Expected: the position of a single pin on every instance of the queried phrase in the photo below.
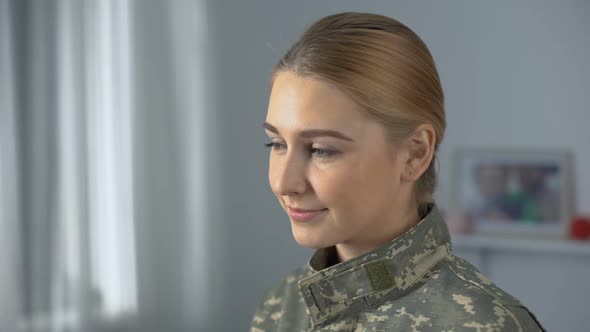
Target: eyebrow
(310, 133)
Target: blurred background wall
(134, 191)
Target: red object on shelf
(580, 228)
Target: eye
(319, 153)
(275, 145)
(323, 153)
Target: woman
(355, 118)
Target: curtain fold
(10, 255)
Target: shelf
(496, 243)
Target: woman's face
(326, 156)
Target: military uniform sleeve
(483, 313)
(483, 306)
(265, 315)
(526, 320)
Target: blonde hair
(384, 67)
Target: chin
(311, 242)
(308, 244)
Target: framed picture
(514, 192)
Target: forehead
(297, 102)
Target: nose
(287, 175)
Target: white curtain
(10, 267)
(102, 189)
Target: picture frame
(514, 192)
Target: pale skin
(363, 183)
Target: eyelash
(323, 152)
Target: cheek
(272, 175)
(331, 186)
(362, 188)
(345, 190)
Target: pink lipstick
(304, 215)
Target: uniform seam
(435, 263)
(503, 303)
(447, 266)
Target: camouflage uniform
(413, 283)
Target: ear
(419, 151)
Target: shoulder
(470, 277)
(480, 304)
(453, 296)
(276, 301)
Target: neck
(379, 235)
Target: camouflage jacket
(413, 283)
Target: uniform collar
(388, 271)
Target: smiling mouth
(305, 215)
(304, 210)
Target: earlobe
(407, 175)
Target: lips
(303, 210)
(304, 215)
